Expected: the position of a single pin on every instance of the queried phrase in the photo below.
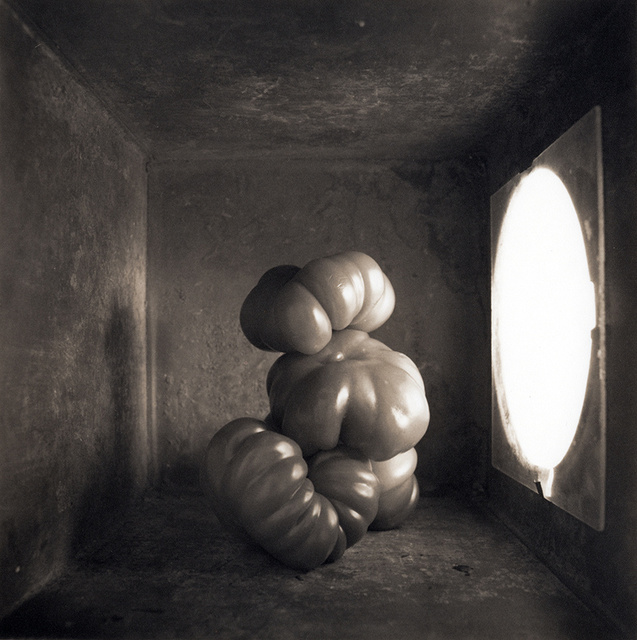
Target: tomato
(280, 314)
(355, 391)
(399, 491)
(335, 456)
(346, 478)
(258, 484)
(292, 309)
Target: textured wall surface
(73, 443)
(362, 78)
(215, 228)
(72, 323)
(602, 567)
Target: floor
(170, 571)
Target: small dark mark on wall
(463, 568)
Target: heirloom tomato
(346, 479)
(293, 309)
(356, 391)
(257, 482)
(399, 491)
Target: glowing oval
(543, 306)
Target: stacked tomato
(335, 456)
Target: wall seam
(54, 51)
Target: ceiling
(380, 78)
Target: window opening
(547, 325)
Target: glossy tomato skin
(355, 391)
(399, 490)
(296, 310)
(257, 481)
(396, 505)
(346, 479)
(352, 289)
(279, 314)
(268, 287)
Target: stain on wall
(73, 443)
(214, 228)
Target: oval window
(543, 306)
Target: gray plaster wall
(73, 442)
(600, 566)
(216, 227)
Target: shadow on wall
(453, 208)
(114, 479)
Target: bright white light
(543, 306)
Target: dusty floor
(170, 571)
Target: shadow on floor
(170, 571)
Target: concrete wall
(73, 443)
(215, 228)
(601, 567)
